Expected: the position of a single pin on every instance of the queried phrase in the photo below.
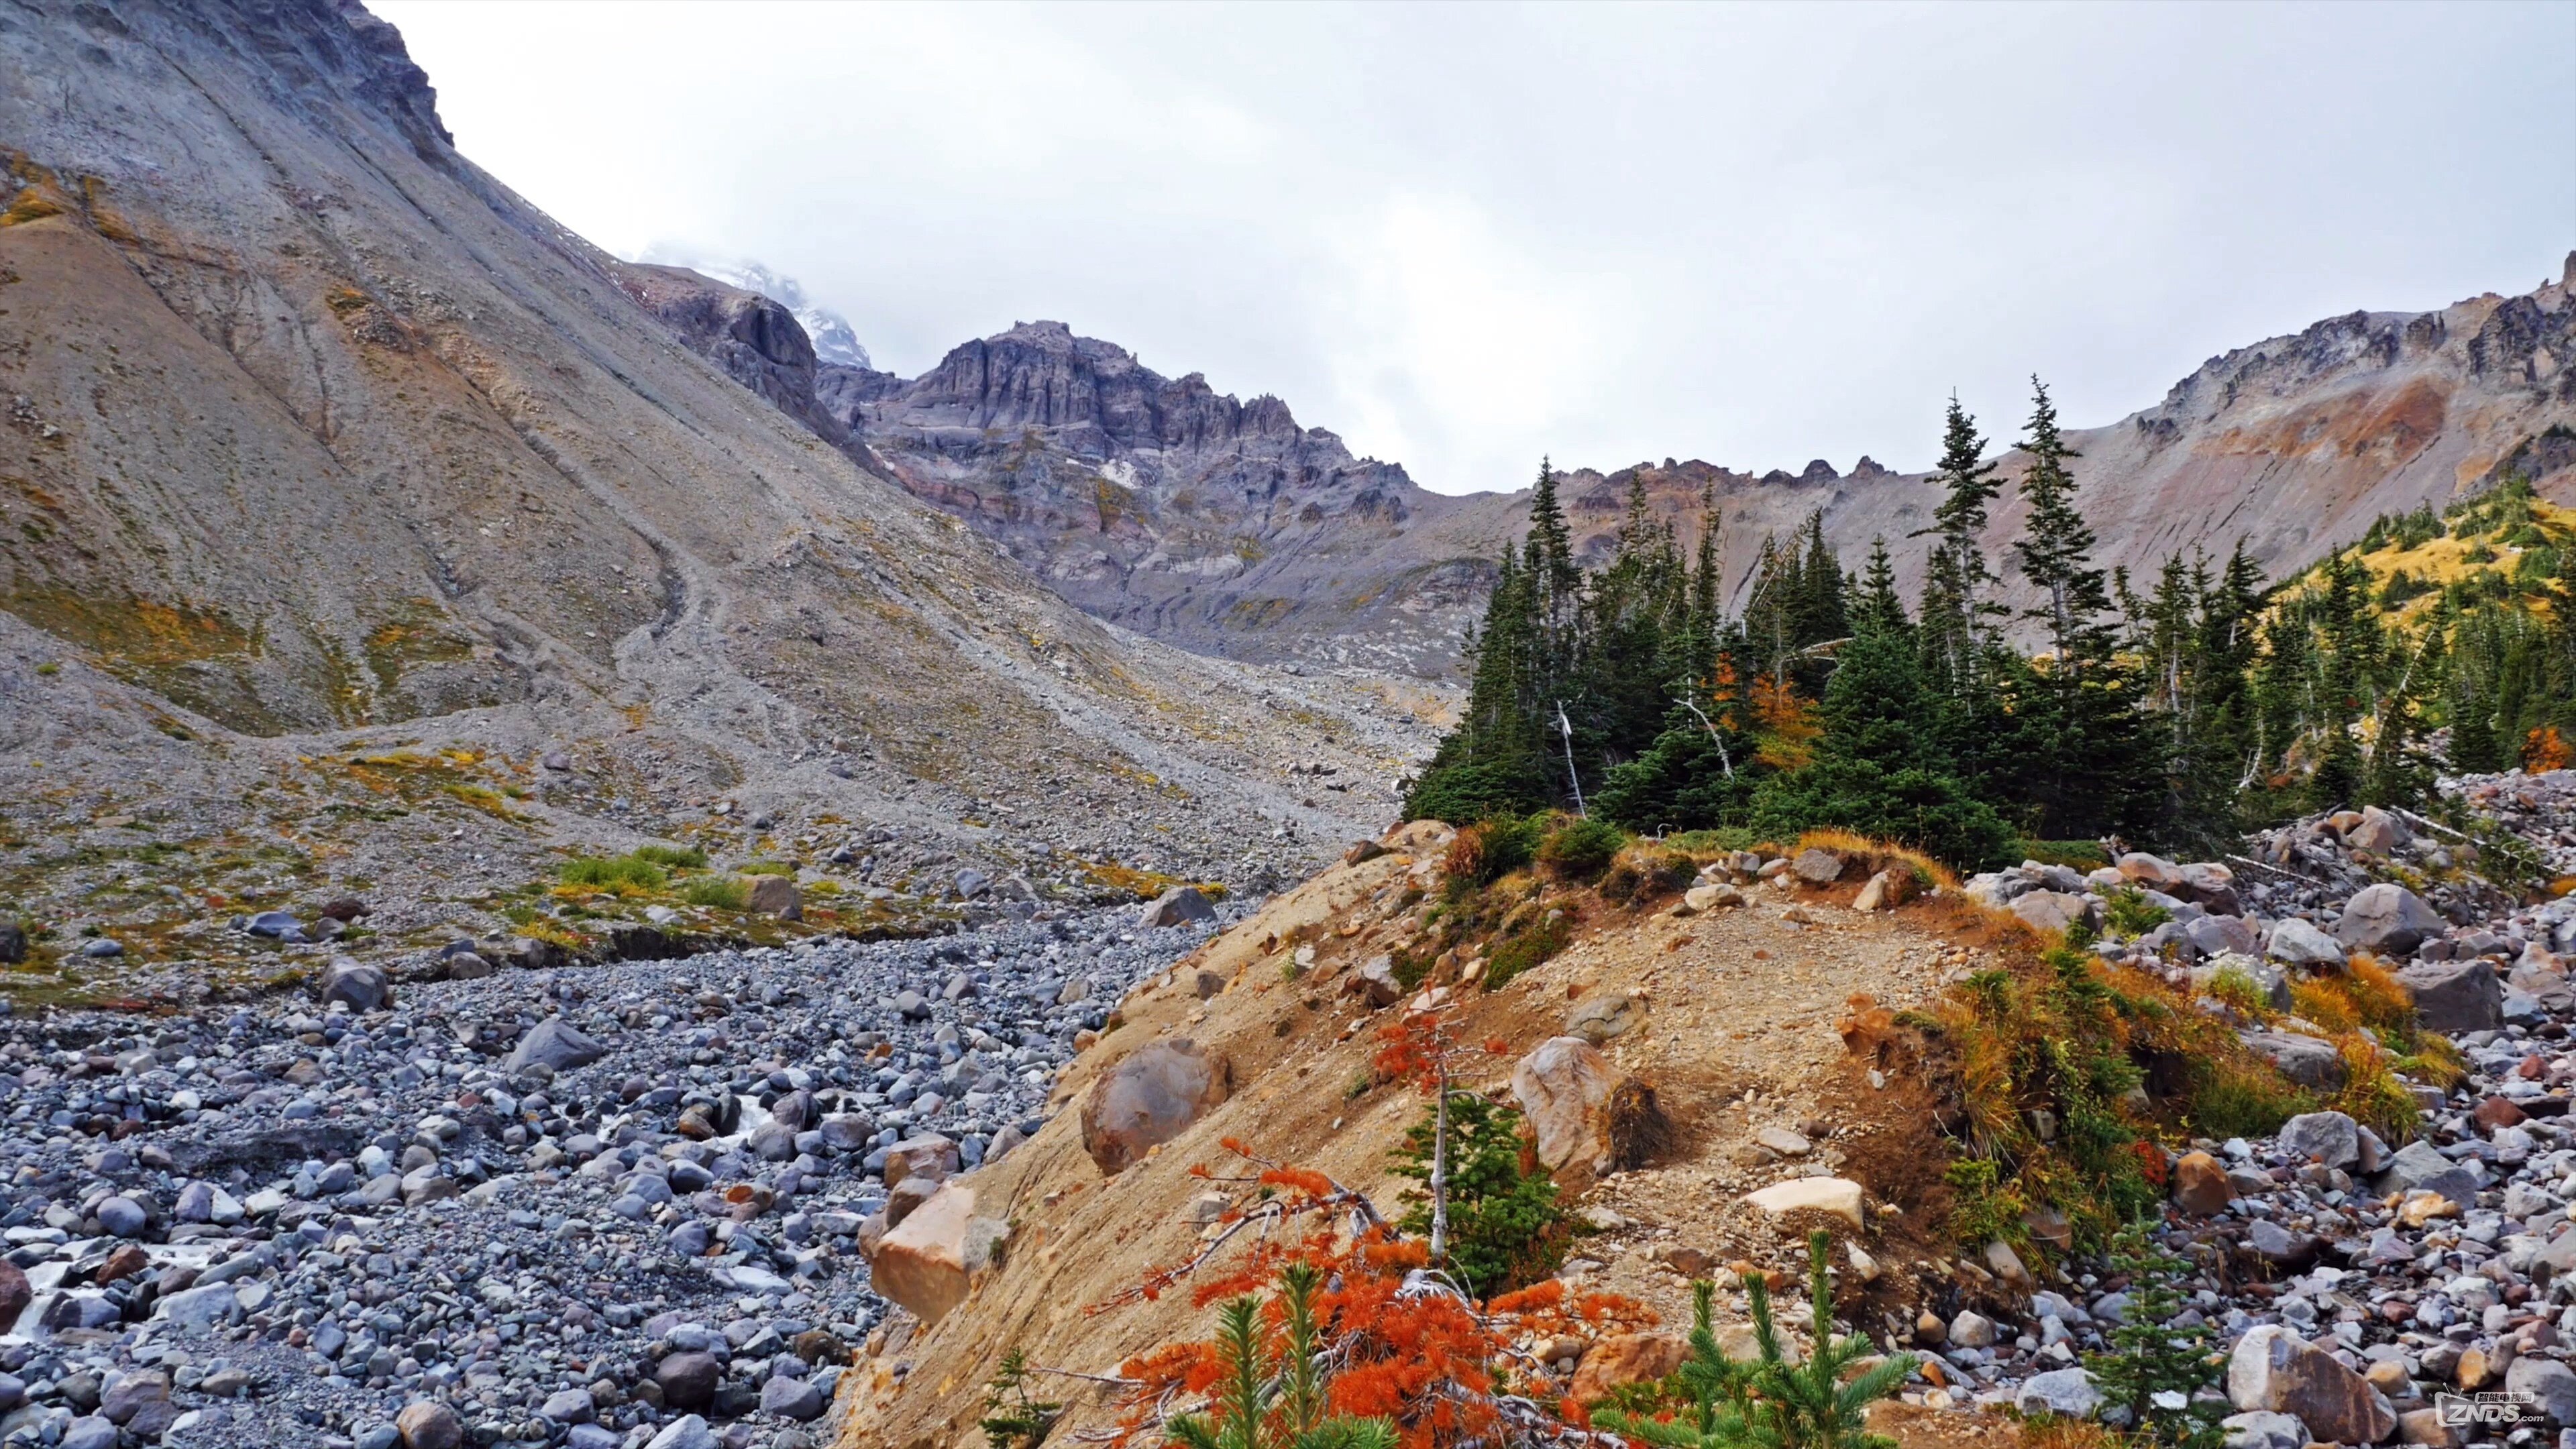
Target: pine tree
(2156, 1366)
(1279, 1400)
(1014, 1416)
(1879, 607)
(1957, 615)
(2089, 766)
(2336, 782)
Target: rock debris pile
(608, 1207)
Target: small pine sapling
(2155, 1366)
(1770, 1402)
(1014, 1417)
(1712, 1384)
(1809, 1405)
(1267, 1401)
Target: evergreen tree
(1879, 607)
(1957, 614)
(2089, 766)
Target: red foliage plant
(1441, 1367)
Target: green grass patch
(672, 857)
(717, 891)
(610, 872)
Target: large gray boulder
(2054, 910)
(555, 1044)
(2263, 1429)
(2547, 1383)
(2420, 1166)
(2455, 996)
(2274, 1370)
(1177, 906)
(2303, 1059)
(2386, 920)
(2067, 1392)
(365, 988)
(1149, 1098)
(2301, 944)
(2330, 1137)
(2218, 935)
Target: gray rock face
(1817, 866)
(2386, 920)
(2455, 996)
(2419, 1166)
(556, 1044)
(1150, 1097)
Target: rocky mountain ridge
(1226, 527)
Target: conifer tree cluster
(1967, 727)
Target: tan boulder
(2052, 910)
(1837, 1195)
(2152, 871)
(1562, 1088)
(1625, 1358)
(1149, 1098)
(1818, 866)
(1886, 890)
(930, 1260)
(928, 1155)
(2200, 1185)
(2273, 1369)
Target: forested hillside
(2172, 712)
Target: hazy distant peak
(833, 338)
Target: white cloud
(1465, 236)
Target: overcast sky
(1464, 236)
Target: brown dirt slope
(1740, 1035)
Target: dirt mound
(1737, 1034)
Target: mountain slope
(1226, 527)
(320, 439)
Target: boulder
(792, 1398)
(2378, 832)
(429, 1424)
(1817, 866)
(555, 1044)
(15, 1294)
(2301, 944)
(2151, 871)
(2421, 1167)
(775, 895)
(2330, 1137)
(2386, 920)
(1564, 1087)
(2274, 1370)
(2221, 935)
(688, 1431)
(2200, 1185)
(2053, 910)
(688, 1379)
(365, 988)
(1362, 851)
(1177, 906)
(1886, 890)
(2455, 996)
(2547, 1383)
(1598, 1018)
(2262, 1429)
(2303, 1059)
(2210, 886)
(929, 1261)
(1625, 1358)
(1971, 1329)
(1836, 1195)
(1151, 1097)
(1374, 980)
(1715, 896)
(928, 1156)
(2066, 1392)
